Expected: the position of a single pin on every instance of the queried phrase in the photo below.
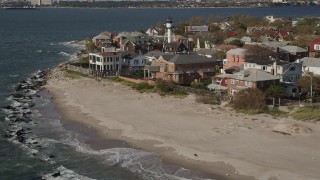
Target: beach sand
(212, 140)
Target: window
(292, 68)
(317, 47)
(264, 68)
(261, 84)
(250, 84)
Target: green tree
(219, 55)
(259, 52)
(310, 80)
(90, 46)
(302, 41)
(237, 42)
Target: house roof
(254, 75)
(266, 62)
(109, 53)
(275, 44)
(292, 49)
(285, 32)
(229, 40)
(246, 39)
(237, 51)
(206, 51)
(102, 36)
(310, 62)
(187, 59)
(154, 53)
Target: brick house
(314, 48)
(248, 78)
(235, 57)
(182, 68)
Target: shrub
(252, 100)
(142, 87)
(163, 86)
(197, 85)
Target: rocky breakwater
(18, 115)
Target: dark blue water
(39, 39)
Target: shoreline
(230, 148)
(168, 156)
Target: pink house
(235, 57)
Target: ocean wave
(63, 173)
(72, 44)
(72, 57)
(146, 164)
(13, 75)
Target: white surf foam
(64, 173)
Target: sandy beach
(213, 140)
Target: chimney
(308, 51)
(277, 54)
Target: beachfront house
(133, 62)
(288, 72)
(247, 78)
(105, 63)
(182, 68)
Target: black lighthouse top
(169, 20)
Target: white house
(271, 19)
(311, 65)
(105, 61)
(152, 31)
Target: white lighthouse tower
(169, 30)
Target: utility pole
(311, 88)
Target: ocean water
(40, 39)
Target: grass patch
(307, 113)
(75, 74)
(141, 87)
(275, 112)
(207, 99)
(250, 111)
